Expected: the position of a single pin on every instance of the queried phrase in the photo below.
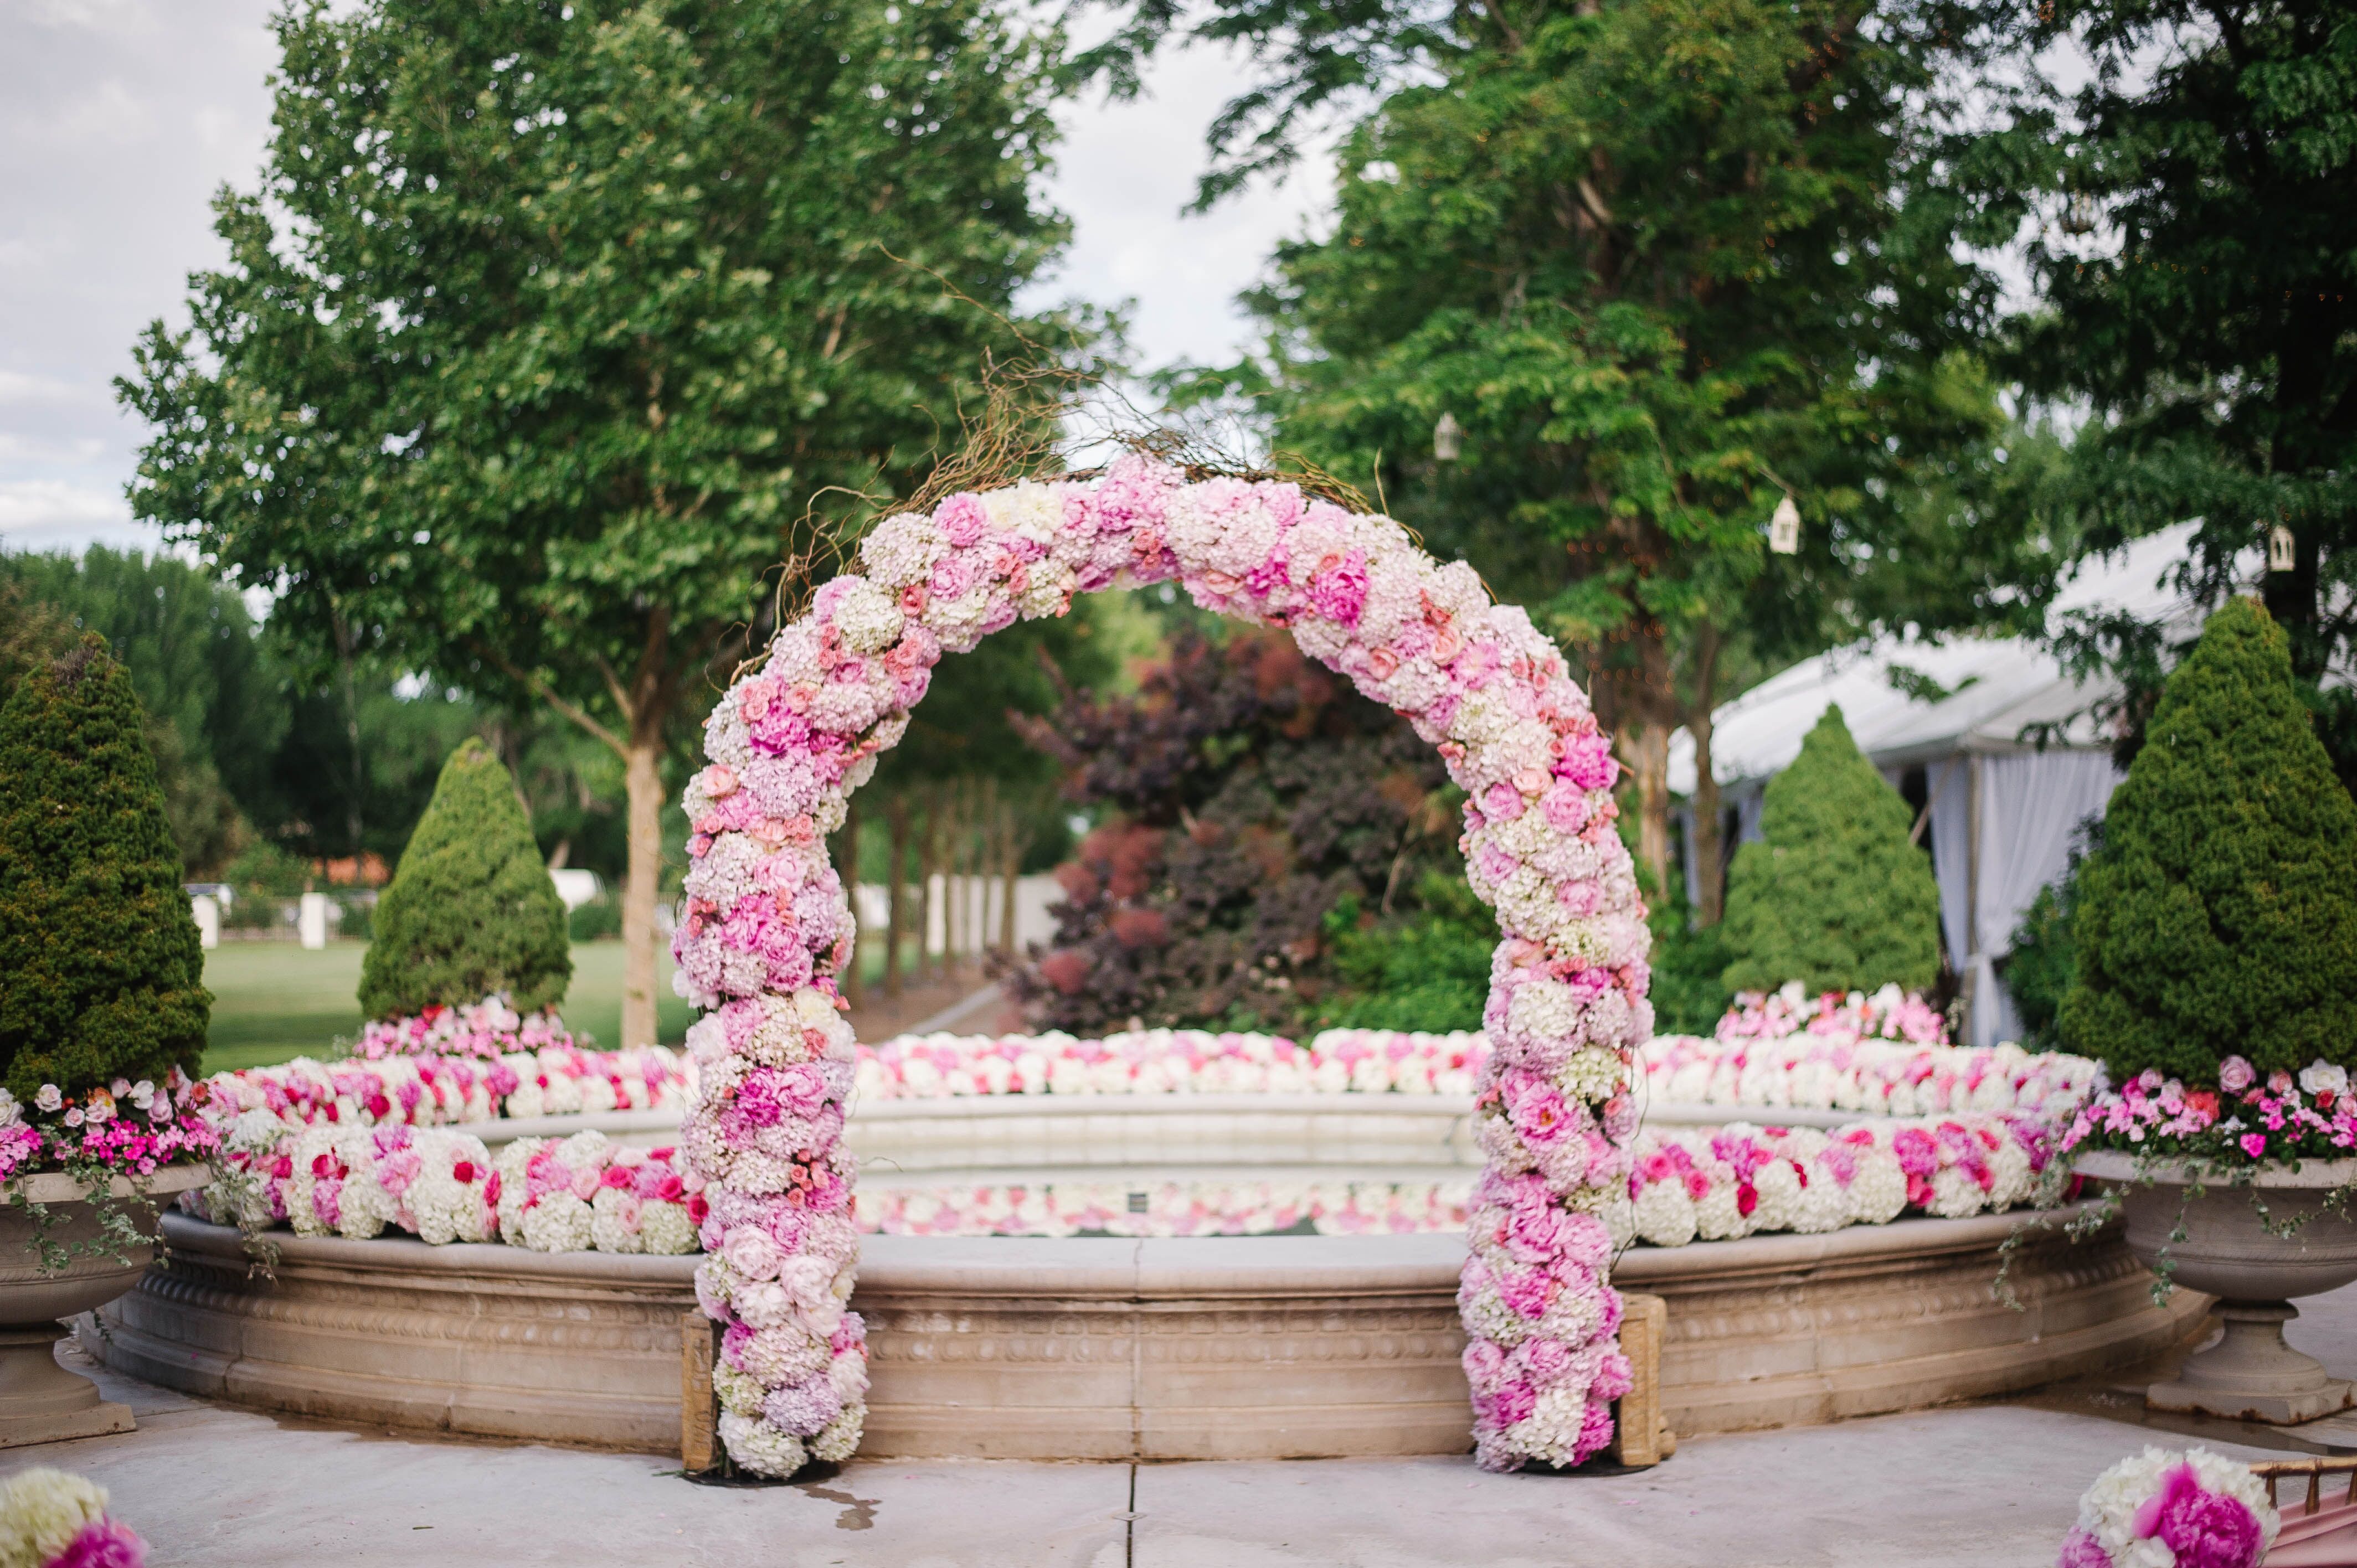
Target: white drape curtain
(2031, 805)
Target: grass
(275, 1001)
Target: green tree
(1655, 264)
(2220, 914)
(552, 330)
(471, 909)
(101, 974)
(215, 703)
(2187, 210)
(1832, 895)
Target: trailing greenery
(101, 974)
(1833, 895)
(2220, 915)
(471, 909)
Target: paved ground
(1983, 1484)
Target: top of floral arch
(803, 725)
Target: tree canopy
(2219, 917)
(101, 974)
(1660, 267)
(472, 910)
(550, 332)
(2187, 211)
(1833, 894)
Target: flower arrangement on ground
(765, 928)
(2171, 1509)
(51, 1520)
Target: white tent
(1999, 808)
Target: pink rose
(2235, 1075)
(750, 1252)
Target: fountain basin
(1267, 1346)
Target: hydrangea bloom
(2170, 1509)
(766, 927)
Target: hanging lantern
(1448, 438)
(1784, 528)
(2283, 550)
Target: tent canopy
(1998, 689)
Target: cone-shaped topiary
(101, 975)
(2220, 917)
(1834, 896)
(471, 909)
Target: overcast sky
(119, 119)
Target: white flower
(2324, 1078)
(49, 1098)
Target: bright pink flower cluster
(486, 1029)
(436, 1092)
(2194, 1509)
(766, 928)
(2246, 1119)
(125, 1128)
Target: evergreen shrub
(1833, 894)
(102, 974)
(2220, 915)
(471, 909)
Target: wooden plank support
(1641, 1438)
(699, 1407)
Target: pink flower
(2235, 1075)
(2253, 1143)
(1338, 588)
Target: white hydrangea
(866, 614)
(902, 550)
(760, 1448)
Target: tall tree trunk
(642, 782)
(954, 884)
(896, 895)
(846, 860)
(1644, 748)
(1010, 867)
(929, 965)
(1705, 848)
(352, 825)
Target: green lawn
(274, 1001)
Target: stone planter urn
(40, 1401)
(2228, 1252)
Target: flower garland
(2247, 1119)
(766, 927)
(439, 1091)
(2170, 1509)
(1724, 1183)
(1836, 1071)
(579, 1194)
(1889, 1013)
(1169, 1061)
(51, 1520)
(1831, 1072)
(486, 1029)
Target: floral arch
(767, 924)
